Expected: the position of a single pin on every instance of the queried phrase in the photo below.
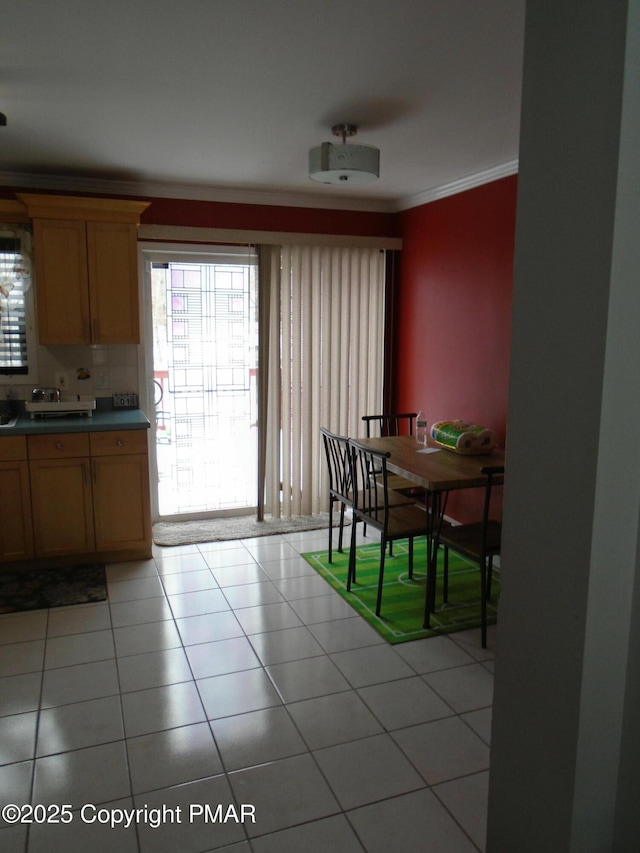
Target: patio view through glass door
(205, 344)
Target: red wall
(453, 327)
(256, 217)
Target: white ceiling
(222, 99)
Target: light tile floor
(230, 673)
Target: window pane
(13, 321)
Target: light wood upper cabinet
(85, 253)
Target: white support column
(567, 700)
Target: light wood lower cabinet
(16, 530)
(121, 501)
(61, 495)
(75, 494)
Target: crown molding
(459, 186)
(193, 192)
(197, 192)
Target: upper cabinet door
(113, 283)
(86, 264)
(62, 289)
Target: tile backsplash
(95, 371)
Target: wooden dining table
(438, 471)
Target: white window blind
(15, 279)
(324, 362)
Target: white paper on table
(429, 450)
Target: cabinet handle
(58, 445)
(119, 443)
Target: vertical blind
(14, 282)
(322, 363)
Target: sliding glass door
(204, 379)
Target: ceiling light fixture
(344, 164)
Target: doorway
(204, 380)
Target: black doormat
(33, 589)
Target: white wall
(566, 704)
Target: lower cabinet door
(16, 531)
(121, 502)
(61, 499)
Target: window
(17, 358)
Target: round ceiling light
(344, 164)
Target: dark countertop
(101, 421)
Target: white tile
(131, 590)
(20, 693)
(304, 679)
(415, 821)
(85, 835)
(255, 738)
(322, 608)
(368, 770)
(343, 634)
(467, 800)
(18, 658)
(265, 549)
(78, 620)
(143, 610)
(21, 627)
(334, 719)
(317, 836)
(79, 648)
(221, 657)
(302, 586)
(267, 617)
(172, 757)
(407, 702)
(161, 708)
(81, 724)
(371, 665)
(192, 833)
(15, 783)
(286, 645)
(285, 793)
(222, 558)
(433, 654)
(208, 628)
(17, 737)
(78, 683)
(237, 575)
(198, 603)
(465, 688)
(443, 750)
(132, 570)
(178, 563)
(178, 584)
(237, 693)
(97, 774)
(153, 669)
(150, 637)
(252, 594)
(480, 722)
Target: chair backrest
(336, 449)
(392, 424)
(370, 495)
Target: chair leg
(411, 558)
(445, 579)
(483, 602)
(340, 534)
(383, 548)
(330, 530)
(489, 576)
(351, 573)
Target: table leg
(434, 526)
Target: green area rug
(402, 612)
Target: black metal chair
(336, 449)
(372, 505)
(396, 423)
(479, 542)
